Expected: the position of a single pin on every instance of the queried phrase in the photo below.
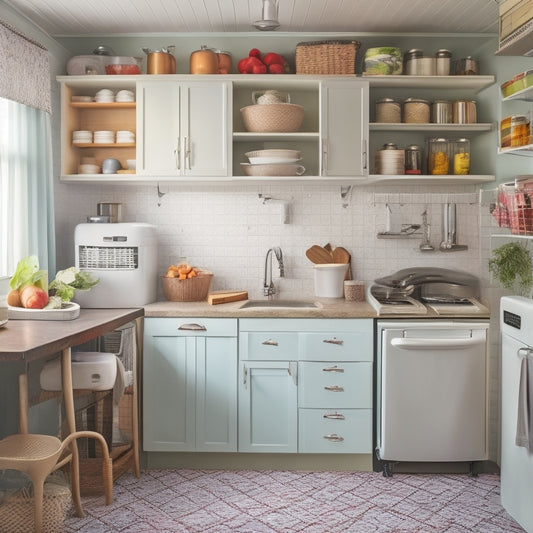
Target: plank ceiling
(93, 17)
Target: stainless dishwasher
(431, 391)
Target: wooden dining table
(30, 340)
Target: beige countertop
(327, 308)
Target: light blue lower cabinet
(268, 408)
(190, 385)
(335, 430)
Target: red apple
(32, 297)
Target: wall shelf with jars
(410, 111)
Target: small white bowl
(131, 164)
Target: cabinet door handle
(177, 153)
(187, 147)
(334, 388)
(244, 375)
(365, 154)
(333, 369)
(334, 416)
(334, 340)
(293, 371)
(324, 157)
(270, 342)
(333, 437)
(192, 327)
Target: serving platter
(69, 311)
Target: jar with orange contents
(439, 156)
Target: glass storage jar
(461, 156)
(389, 111)
(413, 159)
(520, 130)
(416, 110)
(438, 156)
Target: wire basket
(514, 208)
(187, 290)
(326, 57)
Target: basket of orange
(185, 283)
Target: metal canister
(464, 112)
(442, 112)
(410, 58)
(416, 110)
(443, 62)
(413, 160)
(388, 110)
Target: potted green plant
(511, 265)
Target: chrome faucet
(268, 284)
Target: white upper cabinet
(183, 128)
(344, 128)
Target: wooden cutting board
(224, 297)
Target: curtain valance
(24, 69)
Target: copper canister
(203, 61)
(160, 63)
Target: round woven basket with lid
(272, 118)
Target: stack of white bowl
(125, 137)
(82, 137)
(88, 166)
(390, 162)
(104, 96)
(104, 137)
(125, 96)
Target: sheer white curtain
(26, 187)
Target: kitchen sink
(274, 304)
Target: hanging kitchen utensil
(318, 255)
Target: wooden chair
(40, 455)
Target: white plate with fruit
(32, 298)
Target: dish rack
(123, 256)
(514, 206)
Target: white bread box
(90, 370)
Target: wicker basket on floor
(326, 57)
(16, 512)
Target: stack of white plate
(81, 99)
(104, 137)
(82, 137)
(104, 96)
(125, 96)
(125, 136)
(390, 162)
(274, 162)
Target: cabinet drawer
(336, 346)
(332, 431)
(335, 385)
(190, 327)
(268, 345)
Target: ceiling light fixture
(269, 21)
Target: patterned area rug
(285, 501)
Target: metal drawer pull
(333, 369)
(270, 342)
(334, 437)
(334, 388)
(192, 327)
(334, 416)
(334, 341)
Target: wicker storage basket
(16, 512)
(272, 117)
(187, 290)
(326, 57)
